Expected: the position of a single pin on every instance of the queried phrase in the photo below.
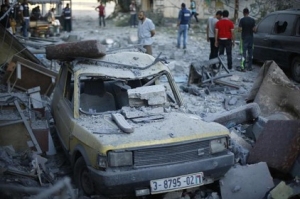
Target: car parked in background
(277, 38)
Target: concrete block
(278, 145)
(281, 191)
(233, 100)
(258, 126)
(247, 182)
(295, 172)
(243, 114)
(151, 95)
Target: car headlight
(218, 145)
(102, 161)
(117, 159)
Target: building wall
(207, 8)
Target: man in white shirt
(210, 34)
(146, 30)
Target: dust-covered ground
(203, 101)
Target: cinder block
(247, 182)
(151, 95)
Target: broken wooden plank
(13, 171)
(31, 75)
(36, 144)
(70, 51)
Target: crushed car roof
(121, 65)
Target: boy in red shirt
(224, 37)
(101, 9)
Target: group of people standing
(146, 28)
(20, 15)
(220, 34)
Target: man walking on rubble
(193, 9)
(247, 27)
(210, 33)
(101, 10)
(224, 37)
(24, 9)
(146, 31)
(184, 17)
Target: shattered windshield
(98, 94)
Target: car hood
(104, 134)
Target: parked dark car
(278, 38)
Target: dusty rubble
(259, 108)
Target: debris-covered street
(161, 118)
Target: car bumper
(117, 183)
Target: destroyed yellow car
(120, 120)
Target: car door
(262, 38)
(283, 40)
(63, 107)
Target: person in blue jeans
(24, 11)
(247, 27)
(183, 25)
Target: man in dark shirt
(247, 27)
(24, 9)
(5, 20)
(183, 24)
(224, 37)
(67, 18)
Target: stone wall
(206, 8)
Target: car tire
(296, 69)
(82, 177)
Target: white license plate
(176, 183)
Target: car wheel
(296, 69)
(82, 177)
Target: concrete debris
(283, 190)
(278, 145)
(240, 115)
(263, 133)
(233, 100)
(240, 148)
(149, 95)
(62, 188)
(247, 182)
(255, 130)
(270, 80)
(192, 89)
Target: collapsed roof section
(10, 46)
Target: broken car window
(284, 24)
(101, 95)
(266, 25)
